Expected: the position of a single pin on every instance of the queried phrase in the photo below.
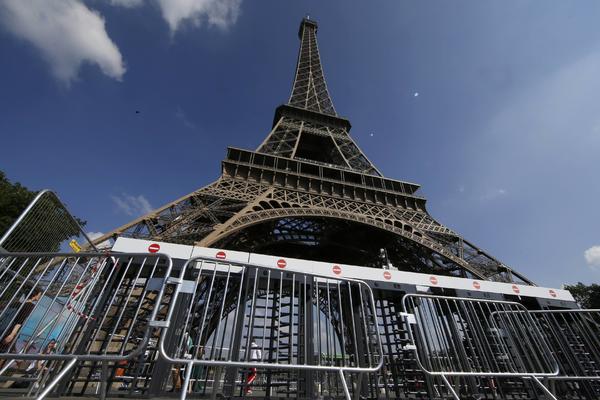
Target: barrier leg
(450, 388)
(544, 388)
(217, 381)
(62, 373)
(345, 385)
(358, 385)
(104, 382)
(186, 381)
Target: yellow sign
(75, 246)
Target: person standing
(19, 320)
(12, 331)
(255, 356)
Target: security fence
(227, 320)
(45, 226)
(139, 325)
(86, 311)
(574, 337)
(471, 340)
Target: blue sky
(493, 107)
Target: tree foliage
(587, 296)
(14, 198)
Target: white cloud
(66, 32)
(220, 13)
(133, 206)
(95, 235)
(592, 257)
(127, 3)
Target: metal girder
(244, 220)
(287, 134)
(310, 89)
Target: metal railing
(574, 338)
(71, 319)
(473, 338)
(238, 316)
(59, 310)
(44, 226)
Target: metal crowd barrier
(574, 338)
(59, 310)
(469, 338)
(236, 316)
(44, 226)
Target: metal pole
(186, 381)
(345, 385)
(544, 388)
(450, 388)
(57, 379)
(104, 383)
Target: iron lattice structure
(308, 191)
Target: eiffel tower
(308, 191)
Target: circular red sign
(552, 293)
(476, 285)
(337, 269)
(154, 247)
(221, 255)
(281, 263)
(433, 280)
(387, 275)
(516, 289)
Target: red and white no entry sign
(476, 285)
(433, 280)
(516, 289)
(281, 263)
(221, 255)
(337, 269)
(154, 247)
(387, 275)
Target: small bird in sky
(416, 94)
(137, 111)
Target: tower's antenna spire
(309, 90)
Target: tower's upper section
(310, 90)
(307, 128)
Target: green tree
(587, 296)
(14, 198)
